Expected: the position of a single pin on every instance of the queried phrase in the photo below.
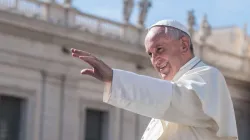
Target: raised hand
(100, 70)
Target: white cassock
(195, 105)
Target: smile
(161, 67)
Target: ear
(185, 44)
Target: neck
(187, 58)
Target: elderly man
(190, 102)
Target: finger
(76, 55)
(89, 72)
(80, 52)
(90, 60)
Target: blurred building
(44, 97)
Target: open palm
(99, 70)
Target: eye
(150, 54)
(159, 50)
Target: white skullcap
(171, 23)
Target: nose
(154, 59)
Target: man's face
(166, 53)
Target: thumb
(88, 72)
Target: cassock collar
(189, 65)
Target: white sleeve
(139, 94)
(193, 100)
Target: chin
(166, 77)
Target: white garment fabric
(171, 23)
(195, 105)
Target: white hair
(177, 34)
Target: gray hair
(178, 34)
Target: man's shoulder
(203, 73)
(204, 69)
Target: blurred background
(44, 97)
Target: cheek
(170, 54)
(165, 56)
(174, 54)
(173, 60)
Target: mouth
(162, 66)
